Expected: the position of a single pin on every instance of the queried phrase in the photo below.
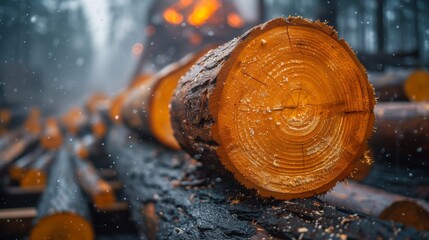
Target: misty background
(54, 53)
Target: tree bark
(174, 197)
(63, 210)
(250, 107)
(401, 135)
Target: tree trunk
(100, 192)
(401, 137)
(117, 102)
(381, 204)
(389, 86)
(146, 109)
(63, 210)
(174, 197)
(269, 108)
(401, 86)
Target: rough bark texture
(174, 197)
(62, 193)
(402, 134)
(62, 197)
(190, 117)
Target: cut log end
(62, 226)
(407, 212)
(417, 86)
(290, 108)
(52, 137)
(32, 123)
(104, 197)
(33, 178)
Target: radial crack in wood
(286, 107)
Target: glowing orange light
(137, 49)
(172, 16)
(185, 3)
(202, 11)
(234, 20)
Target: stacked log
(100, 192)
(401, 135)
(62, 211)
(381, 204)
(401, 86)
(16, 150)
(146, 109)
(36, 174)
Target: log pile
(267, 124)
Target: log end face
(293, 121)
(62, 226)
(417, 86)
(33, 178)
(105, 197)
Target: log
(36, 174)
(86, 146)
(16, 150)
(18, 168)
(381, 204)
(401, 86)
(63, 210)
(52, 137)
(146, 110)
(389, 86)
(98, 98)
(100, 192)
(98, 125)
(9, 138)
(410, 182)
(117, 103)
(75, 122)
(417, 86)
(401, 135)
(33, 122)
(173, 197)
(286, 107)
